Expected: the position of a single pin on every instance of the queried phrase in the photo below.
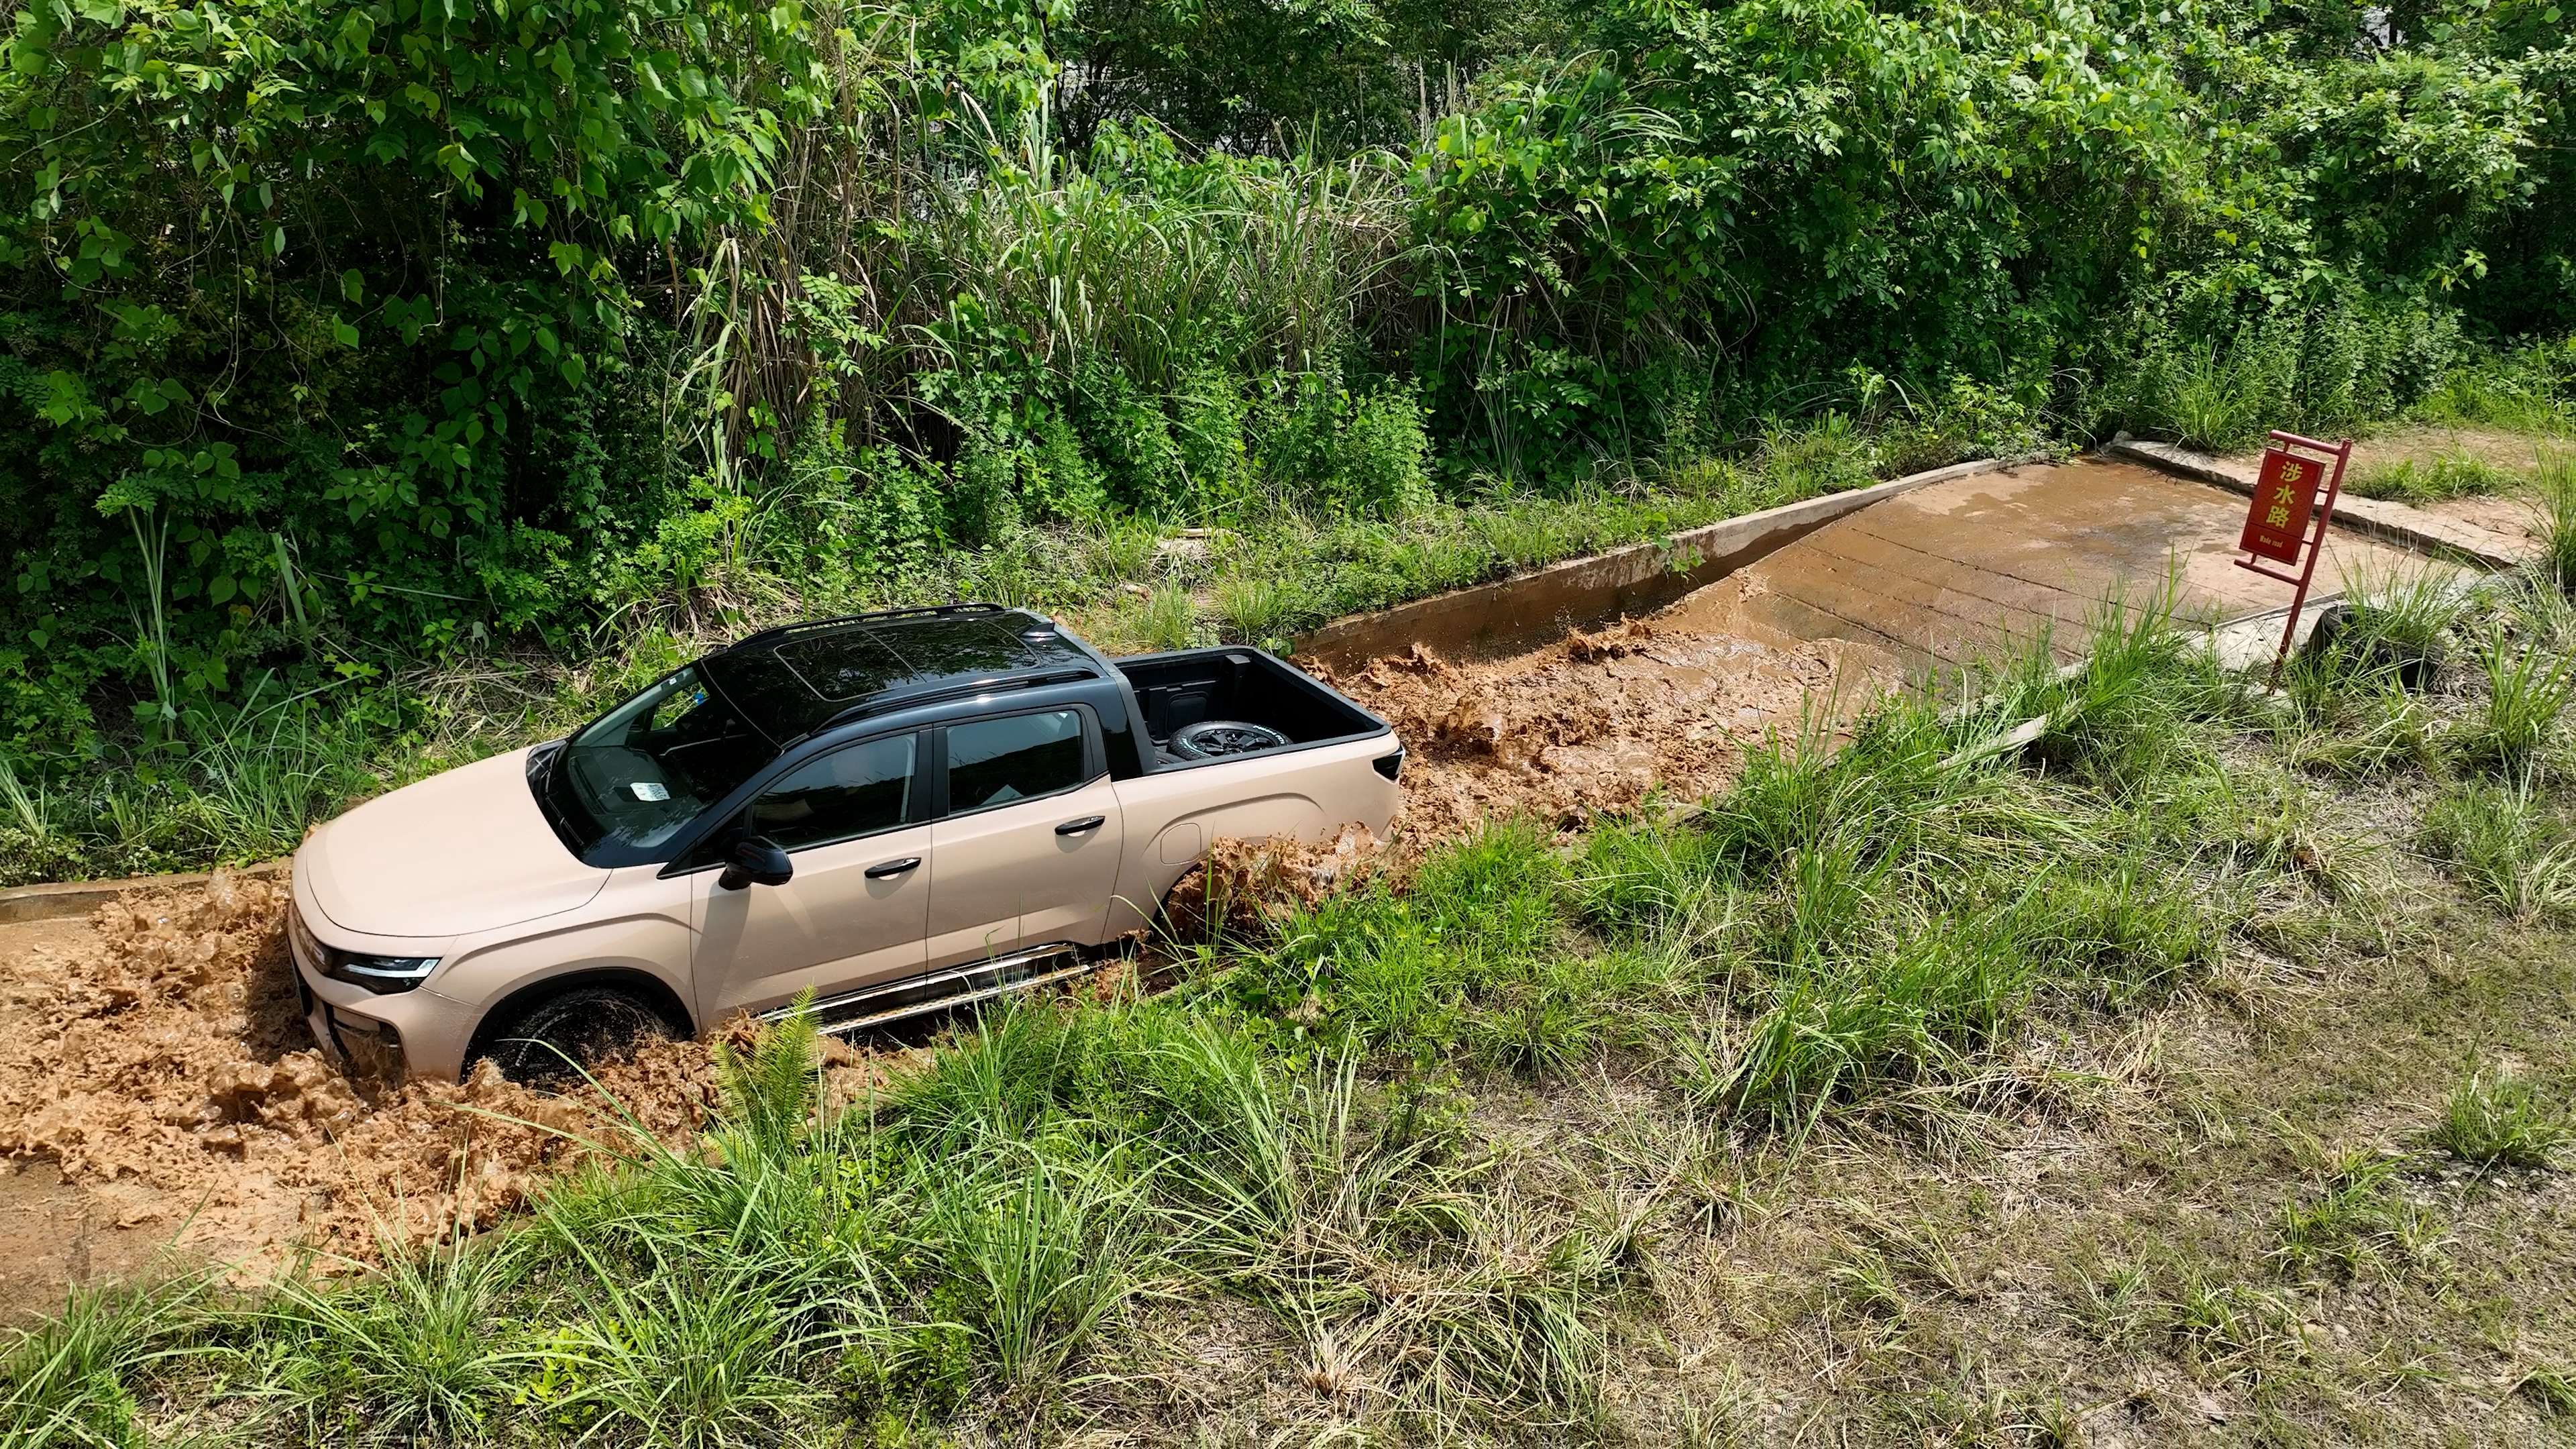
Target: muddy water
(1969, 569)
(158, 1090)
(1597, 722)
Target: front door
(1028, 852)
(854, 913)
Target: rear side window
(1019, 757)
(856, 791)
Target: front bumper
(415, 1032)
(359, 1044)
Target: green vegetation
(1472, 1152)
(2357, 1221)
(2504, 842)
(2494, 1120)
(2557, 517)
(2445, 476)
(383, 370)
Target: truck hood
(460, 852)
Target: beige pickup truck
(897, 811)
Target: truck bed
(1183, 688)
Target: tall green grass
(2506, 844)
(2443, 477)
(72, 1379)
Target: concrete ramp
(1961, 569)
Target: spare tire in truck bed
(1211, 739)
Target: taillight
(1390, 765)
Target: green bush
(515, 324)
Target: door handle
(894, 867)
(1086, 823)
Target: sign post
(2294, 501)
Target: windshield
(628, 783)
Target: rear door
(1027, 853)
(855, 824)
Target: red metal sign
(2285, 493)
(2278, 525)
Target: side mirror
(755, 860)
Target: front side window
(628, 783)
(1019, 757)
(850, 792)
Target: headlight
(379, 974)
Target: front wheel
(551, 1043)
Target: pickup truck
(896, 812)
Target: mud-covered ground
(1595, 723)
(157, 1086)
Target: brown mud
(1597, 722)
(159, 1089)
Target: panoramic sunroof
(843, 665)
(940, 648)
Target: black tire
(1211, 739)
(2333, 621)
(548, 1043)
(2341, 628)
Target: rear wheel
(548, 1044)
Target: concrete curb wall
(2379, 518)
(80, 897)
(1530, 609)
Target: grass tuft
(1170, 620)
(71, 1379)
(1253, 609)
(2445, 476)
(2554, 483)
(2493, 1120)
(418, 1349)
(2505, 844)
(2550, 1388)
(2356, 1222)
(2528, 690)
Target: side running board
(857, 1011)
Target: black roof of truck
(790, 682)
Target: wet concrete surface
(1962, 569)
(1532, 611)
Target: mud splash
(159, 1060)
(1246, 885)
(1594, 724)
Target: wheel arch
(644, 986)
